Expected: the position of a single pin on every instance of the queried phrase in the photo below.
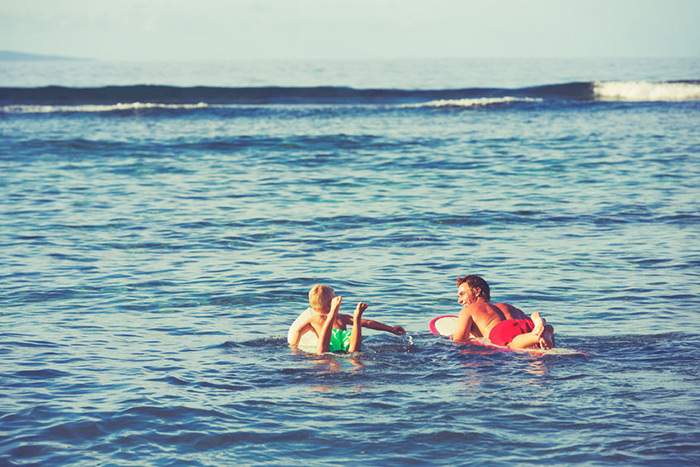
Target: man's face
(466, 295)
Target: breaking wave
(100, 108)
(476, 102)
(646, 91)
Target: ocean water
(162, 224)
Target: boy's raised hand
(361, 307)
(335, 304)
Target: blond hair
(320, 296)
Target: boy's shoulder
(311, 316)
(308, 313)
(304, 317)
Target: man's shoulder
(485, 311)
(478, 305)
(474, 309)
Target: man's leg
(541, 336)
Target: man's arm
(464, 326)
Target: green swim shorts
(340, 340)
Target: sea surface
(162, 223)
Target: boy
(331, 327)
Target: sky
(350, 29)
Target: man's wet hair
(476, 282)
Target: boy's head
(320, 297)
(477, 285)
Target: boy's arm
(464, 326)
(300, 331)
(371, 324)
(368, 323)
(324, 340)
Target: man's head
(320, 297)
(471, 288)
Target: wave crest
(476, 102)
(646, 91)
(119, 107)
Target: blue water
(158, 242)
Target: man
(502, 323)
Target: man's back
(485, 315)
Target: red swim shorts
(504, 332)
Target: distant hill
(7, 56)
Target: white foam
(645, 91)
(477, 102)
(97, 108)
